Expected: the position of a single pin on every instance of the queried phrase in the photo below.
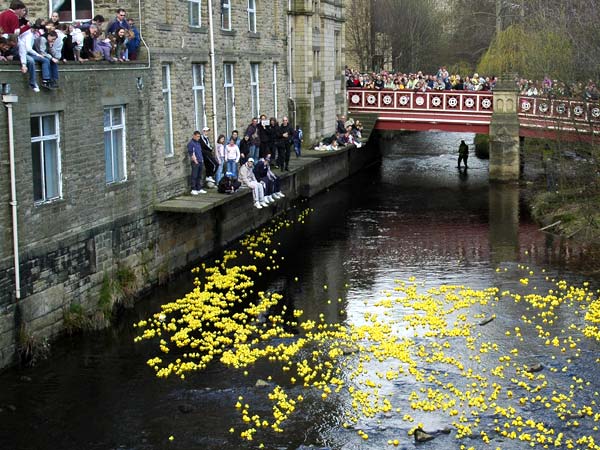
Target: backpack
(228, 185)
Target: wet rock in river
(486, 321)
(422, 436)
(261, 383)
(186, 408)
(534, 368)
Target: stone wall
(69, 245)
(318, 65)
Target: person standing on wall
(284, 142)
(463, 154)
(195, 153)
(208, 154)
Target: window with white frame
(254, 90)
(114, 144)
(226, 14)
(199, 96)
(252, 16)
(275, 89)
(73, 10)
(45, 157)
(229, 98)
(168, 110)
(195, 13)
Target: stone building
(93, 158)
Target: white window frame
(42, 139)
(123, 156)
(275, 89)
(198, 4)
(252, 16)
(198, 89)
(226, 9)
(52, 8)
(254, 89)
(167, 102)
(229, 84)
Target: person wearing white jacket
(248, 180)
(232, 156)
(29, 56)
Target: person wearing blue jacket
(195, 152)
(133, 44)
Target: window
(229, 98)
(73, 10)
(45, 157)
(114, 144)
(275, 89)
(166, 91)
(195, 13)
(199, 97)
(226, 14)
(254, 90)
(252, 16)
(316, 63)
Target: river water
(417, 216)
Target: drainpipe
(140, 30)
(289, 58)
(213, 74)
(8, 101)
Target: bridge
(465, 111)
(504, 115)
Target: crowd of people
(442, 80)
(558, 89)
(245, 161)
(49, 42)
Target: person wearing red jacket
(11, 18)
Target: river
(415, 217)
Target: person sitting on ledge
(249, 180)
(265, 175)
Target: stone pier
(504, 134)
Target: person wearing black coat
(284, 143)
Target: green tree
(530, 53)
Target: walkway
(203, 203)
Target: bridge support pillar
(504, 134)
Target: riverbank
(115, 263)
(562, 189)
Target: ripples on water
(416, 215)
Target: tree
(359, 35)
(414, 31)
(530, 53)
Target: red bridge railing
(431, 101)
(462, 110)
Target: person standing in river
(463, 154)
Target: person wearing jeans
(195, 153)
(232, 156)
(29, 57)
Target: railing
(463, 102)
(558, 109)
(464, 110)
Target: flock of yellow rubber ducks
(429, 336)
